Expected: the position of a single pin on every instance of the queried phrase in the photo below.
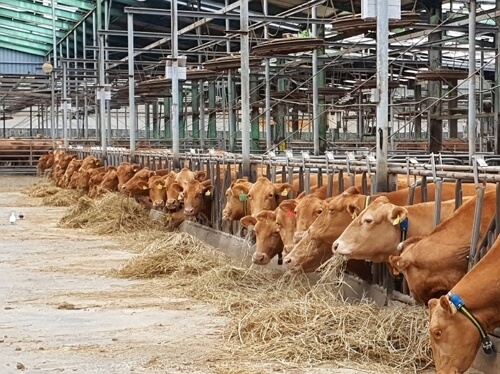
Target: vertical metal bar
(382, 86)
(245, 88)
(65, 103)
(102, 101)
(31, 120)
(174, 117)
(202, 115)
(268, 84)
(85, 114)
(471, 120)
(52, 79)
(315, 98)
(481, 99)
(131, 82)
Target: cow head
(267, 233)
(125, 171)
(157, 191)
(374, 234)
(454, 339)
(194, 195)
(307, 211)
(264, 195)
(307, 255)
(90, 162)
(337, 215)
(184, 176)
(237, 204)
(287, 222)
(138, 184)
(422, 268)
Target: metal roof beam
(41, 9)
(26, 17)
(30, 49)
(28, 28)
(82, 4)
(25, 36)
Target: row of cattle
(310, 229)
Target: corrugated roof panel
(14, 62)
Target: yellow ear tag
(159, 186)
(207, 193)
(145, 187)
(284, 192)
(168, 217)
(397, 221)
(354, 215)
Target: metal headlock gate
(427, 168)
(21, 156)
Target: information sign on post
(369, 9)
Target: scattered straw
(62, 198)
(284, 317)
(110, 214)
(42, 189)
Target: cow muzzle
(172, 204)
(340, 248)
(158, 204)
(260, 258)
(189, 212)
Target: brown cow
(236, 207)
(45, 162)
(70, 174)
(263, 194)
(375, 234)
(173, 199)
(125, 171)
(158, 189)
(184, 176)
(138, 184)
(60, 168)
(268, 240)
(454, 338)
(90, 162)
(109, 182)
(446, 247)
(83, 177)
(197, 198)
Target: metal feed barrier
(21, 157)
(428, 168)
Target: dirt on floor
(62, 312)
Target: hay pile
(62, 198)
(111, 214)
(42, 189)
(284, 317)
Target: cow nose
(158, 203)
(298, 236)
(335, 246)
(288, 261)
(258, 258)
(189, 211)
(288, 248)
(171, 202)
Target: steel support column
(147, 119)
(280, 116)
(195, 108)
(496, 126)
(231, 89)
(131, 83)
(471, 118)
(175, 85)
(182, 116)
(315, 101)
(212, 111)
(435, 125)
(268, 85)
(255, 112)
(245, 88)
(65, 103)
(452, 104)
(383, 88)
(102, 81)
(322, 107)
(167, 107)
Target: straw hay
(112, 213)
(62, 198)
(284, 317)
(42, 189)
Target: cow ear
(353, 210)
(248, 221)
(239, 189)
(301, 195)
(398, 263)
(351, 191)
(151, 173)
(142, 185)
(398, 215)
(288, 205)
(266, 216)
(282, 189)
(447, 305)
(432, 304)
(177, 187)
(200, 176)
(136, 168)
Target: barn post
(155, 119)
(195, 108)
(471, 118)
(315, 78)
(202, 115)
(418, 108)
(167, 106)
(147, 118)
(131, 84)
(102, 81)
(175, 85)
(383, 90)
(267, 78)
(452, 104)
(231, 88)
(65, 103)
(255, 113)
(497, 88)
(435, 125)
(245, 88)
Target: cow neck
(486, 343)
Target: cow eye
(368, 220)
(437, 333)
(319, 211)
(249, 196)
(271, 195)
(331, 211)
